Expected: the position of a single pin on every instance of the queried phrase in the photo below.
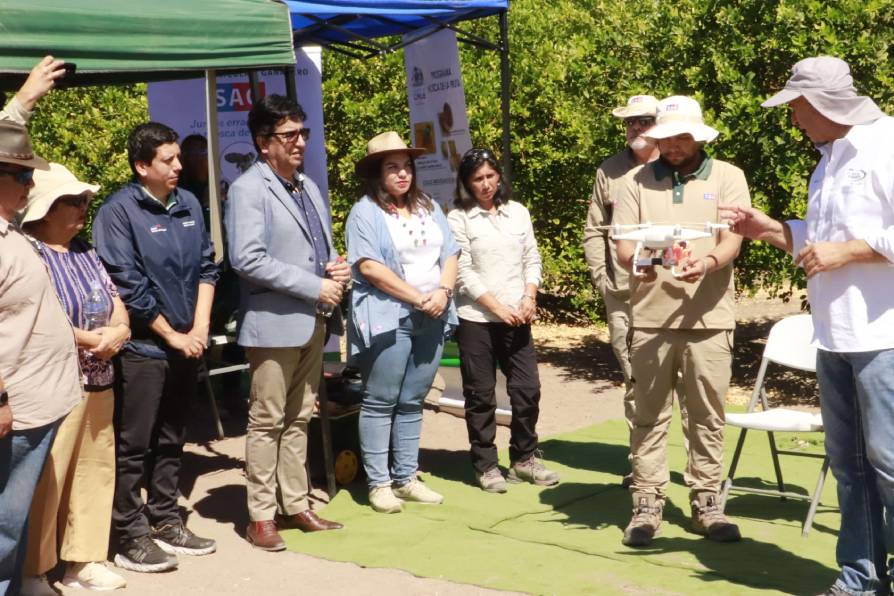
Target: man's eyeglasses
(292, 135)
(642, 121)
(23, 177)
(78, 201)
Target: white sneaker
(383, 500)
(418, 492)
(92, 576)
(37, 585)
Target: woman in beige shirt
(499, 273)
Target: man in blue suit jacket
(280, 245)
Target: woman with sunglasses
(403, 259)
(499, 273)
(72, 506)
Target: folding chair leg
(775, 453)
(214, 413)
(728, 484)
(814, 502)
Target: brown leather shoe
(307, 521)
(263, 535)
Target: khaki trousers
(617, 316)
(284, 387)
(703, 357)
(72, 507)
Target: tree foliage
(572, 61)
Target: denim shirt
(373, 311)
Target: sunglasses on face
(23, 177)
(643, 121)
(78, 201)
(292, 135)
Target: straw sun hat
(378, 147)
(49, 186)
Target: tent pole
(255, 84)
(215, 223)
(505, 81)
(288, 73)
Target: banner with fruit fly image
(438, 119)
(181, 105)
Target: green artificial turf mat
(567, 539)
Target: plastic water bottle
(96, 307)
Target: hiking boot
(708, 520)
(176, 539)
(143, 555)
(418, 492)
(531, 470)
(646, 520)
(382, 499)
(37, 585)
(92, 576)
(491, 481)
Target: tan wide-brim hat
(638, 105)
(378, 147)
(49, 186)
(678, 115)
(15, 147)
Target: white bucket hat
(679, 115)
(49, 186)
(638, 105)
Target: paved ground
(581, 387)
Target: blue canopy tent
(355, 28)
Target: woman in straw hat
(73, 501)
(403, 259)
(499, 273)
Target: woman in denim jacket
(404, 259)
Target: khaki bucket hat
(638, 105)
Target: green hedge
(572, 61)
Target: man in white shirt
(846, 247)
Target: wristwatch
(4, 398)
(448, 291)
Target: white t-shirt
(417, 240)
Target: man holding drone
(683, 319)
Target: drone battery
(650, 262)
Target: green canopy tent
(116, 42)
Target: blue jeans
(397, 372)
(22, 456)
(857, 401)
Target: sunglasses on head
(292, 135)
(640, 120)
(23, 177)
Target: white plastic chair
(788, 345)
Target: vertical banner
(180, 105)
(438, 119)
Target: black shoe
(176, 539)
(143, 555)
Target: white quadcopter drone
(661, 237)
